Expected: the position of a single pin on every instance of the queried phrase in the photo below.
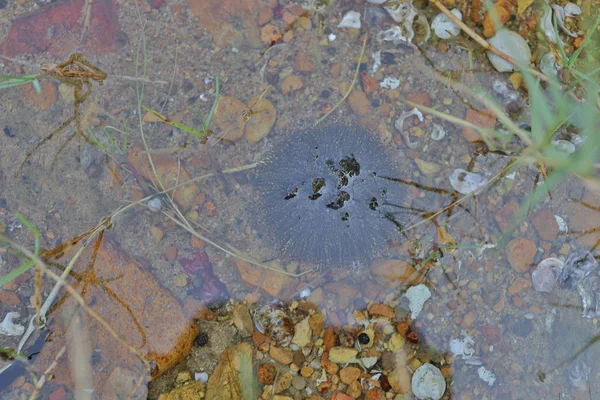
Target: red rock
(359, 103)
(479, 118)
(369, 83)
(230, 22)
(374, 394)
(9, 299)
(58, 394)
(156, 3)
(266, 374)
(329, 339)
(491, 333)
(545, 224)
(520, 253)
(420, 97)
(504, 216)
(28, 34)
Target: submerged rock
(546, 274)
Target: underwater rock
(327, 195)
(511, 44)
(579, 372)
(546, 274)
(212, 292)
(428, 382)
(9, 328)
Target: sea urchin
(325, 196)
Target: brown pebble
(479, 118)
(359, 103)
(545, 224)
(9, 299)
(519, 285)
(304, 64)
(264, 15)
(291, 83)
(349, 374)
(520, 253)
(381, 309)
(266, 374)
(42, 101)
(329, 339)
(468, 320)
(354, 389)
(281, 355)
(505, 214)
(270, 34)
(210, 209)
(171, 253)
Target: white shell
(390, 82)
(463, 348)
(572, 10)
(560, 20)
(9, 328)
(549, 66)
(562, 225)
(512, 44)
(417, 296)
(564, 146)
(547, 26)
(428, 382)
(437, 132)
(486, 375)
(465, 182)
(399, 124)
(443, 27)
(546, 274)
(350, 20)
(154, 204)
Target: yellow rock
(262, 120)
(229, 117)
(190, 391)
(234, 377)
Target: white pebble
(417, 296)
(511, 44)
(350, 20)
(465, 182)
(443, 27)
(9, 328)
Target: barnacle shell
(273, 321)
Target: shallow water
(149, 278)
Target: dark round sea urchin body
(324, 196)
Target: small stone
(505, 214)
(520, 253)
(381, 309)
(9, 299)
(393, 272)
(180, 280)
(306, 371)
(396, 343)
(270, 34)
(427, 167)
(228, 116)
(298, 382)
(354, 389)
(291, 83)
(502, 10)
(304, 64)
(262, 120)
(266, 374)
(171, 253)
(183, 377)
(329, 339)
(302, 333)
(492, 333)
(481, 119)
(349, 374)
(284, 382)
(340, 396)
(242, 320)
(281, 355)
(468, 320)
(519, 285)
(341, 355)
(399, 379)
(545, 224)
(359, 103)
(43, 100)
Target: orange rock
(170, 172)
(291, 83)
(270, 34)
(578, 41)
(468, 320)
(482, 119)
(335, 70)
(369, 83)
(41, 101)
(276, 284)
(382, 309)
(120, 288)
(330, 367)
(281, 355)
(519, 285)
(503, 10)
(230, 22)
(209, 209)
(420, 97)
(520, 253)
(349, 374)
(264, 15)
(359, 102)
(9, 299)
(228, 116)
(197, 243)
(171, 253)
(262, 121)
(329, 339)
(304, 64)
(545, 224)
(504, 216)
(393, 272)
